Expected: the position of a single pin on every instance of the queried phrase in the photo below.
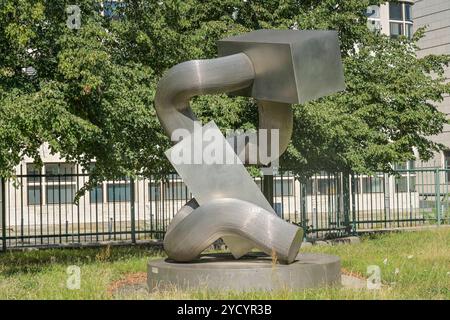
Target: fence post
(437, 186)
(268, 188)
(303, 208)
(132, 209)
(3, 213)
(346, 200)
(352, 189)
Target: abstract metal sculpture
(277, 68)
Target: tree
(92, 94)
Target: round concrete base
(253, 272)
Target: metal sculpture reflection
(277, 68)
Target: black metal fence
(38, 209)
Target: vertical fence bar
(268, 188)
(303, 213)
(346, 201)
(3, 206)
(437, 189)
(132, 210)
(353, 200)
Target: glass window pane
(118, 192)
(408, 12)
(176, 191)
(154, 191)
(323, 186)
(396, 29)
(96, 195)
(401, 184)
(32, 169)
(395, 11)
(34, 195)
(60, 194)
(372, 184)
(55, 172)
(409, 31)
(412, 184)
(283, 188)
(373, 12)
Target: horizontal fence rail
(38, 209)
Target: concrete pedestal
(253, 272)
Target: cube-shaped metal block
(291, 66)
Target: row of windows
(63, 194)
(400, 19)
(178, 191)
(365, 185)
(62, 189)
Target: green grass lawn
(414, 265)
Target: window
(318, 186)
(118, 192)
(57, 194)
(154, 191)
(372, 185)
(32, 169)
(34, 195)
(34, 185)
(409, 31)
(396, 29)
(323, 186)
(401, 184)
(57, 172)
(408, 12)
(396, 11)
(60, 182)
(400, 20)
(176, 191)
(96, 195)
(283, 188)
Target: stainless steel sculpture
(278, 68)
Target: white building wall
(435, 16)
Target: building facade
(435, 16)
(393, 19)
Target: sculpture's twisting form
(278, 68)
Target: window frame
(407, 29)
(34, 183)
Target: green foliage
(92, 94)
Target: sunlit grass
(414, 265)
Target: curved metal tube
(198, 77)
(232, 217)
(212, 76)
